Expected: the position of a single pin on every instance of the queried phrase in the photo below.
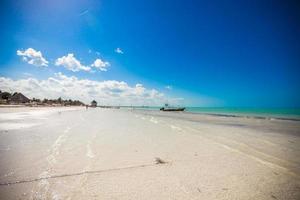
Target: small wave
(176, 128)
(55, 147)
(89, 152)
(153, 120)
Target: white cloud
(71, 63)
(101, 65)
(139, 85)
(169, 87)
(119, 50)
(33, 57)
(109, 92)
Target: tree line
(7, 97)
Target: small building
(4, 97)
(18, 98)
(94, 103)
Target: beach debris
(274, 197)
(159, 161)
(199, 190)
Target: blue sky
(210, 53)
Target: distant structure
(7, 98)
(18, 98)
(94, 103)
(4, 97)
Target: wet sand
(74, 153)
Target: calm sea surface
(252, 112)
(263, 112)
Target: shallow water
(285, 113)
(112, 154)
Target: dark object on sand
(94, 104)
(172, 109)
(167, 108)
(113, 107)
(159, 161)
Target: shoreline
(240, 115)
(268, 117)
(218, 114)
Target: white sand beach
(74, 153)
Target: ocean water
(259, 112)
(293, 113)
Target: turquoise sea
(292, 113)
(259, 112)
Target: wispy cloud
(119, 51)
(168, 87)
(27, 74)
(33, 57)
(83, 12)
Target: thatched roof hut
(18, 98)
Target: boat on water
(168, 108)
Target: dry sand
(73, 153)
